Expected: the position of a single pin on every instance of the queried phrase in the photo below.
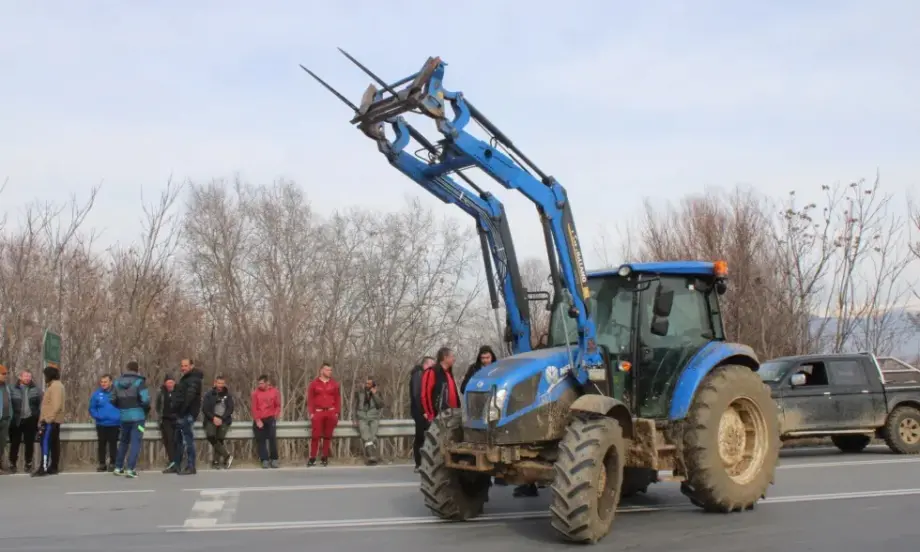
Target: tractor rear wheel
(731, 441)
(589, 476)
(450, 494)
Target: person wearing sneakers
(265, 409)
(186, 405)
(217, 415)
(50, 418)
(108, 421)
(324, 403)
(133, 401)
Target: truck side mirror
(797, 380)
(664, 302)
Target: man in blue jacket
(108, 421)
(133, 401)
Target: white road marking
(511, 516)
(839, 464)
(124, 491)
(339, 487)
(212, 508)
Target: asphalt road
(822, 501)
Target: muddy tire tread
(440, 485)
(893, 436)
(707, 485)
(583, 447)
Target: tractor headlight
(624, 271)
(498, 403)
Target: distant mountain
(900, 333)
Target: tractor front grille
(477, 404)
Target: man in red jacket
(439, 389)
(266, 411)
(324, 403)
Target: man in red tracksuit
(324, 404)
(439, 389)
(266, 411)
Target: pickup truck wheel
(731, 441)
(450, 494)
(851, 443)
(902, 430)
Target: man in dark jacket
(167, 418)
(485, 357)
(133, 401)
(26, 399)
(415, 407)
(6, 410)
(217, 414)
(186, 404)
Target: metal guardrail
(242, 429)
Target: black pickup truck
(847, 397)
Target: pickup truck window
(848, 372)
(815, 373)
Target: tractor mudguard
(715, 353)
(606, 406)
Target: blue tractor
(636, 376)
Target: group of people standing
(433, 388)
(28, 414)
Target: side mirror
(660, 326)
(797, 380)
(664, 302)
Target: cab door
(808, 407)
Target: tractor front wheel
(450, 494)
(731, 441)
(589, 476)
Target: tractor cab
(651, 319)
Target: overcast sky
(619, 100)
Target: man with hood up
(486, 357)
(186, 404)
(133, 401)
(50, 418)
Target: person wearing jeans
(108, 421)
(133, 401)
(186, 404)
(265, 409)
(324, 403)
(50, 418)
(26, 398)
